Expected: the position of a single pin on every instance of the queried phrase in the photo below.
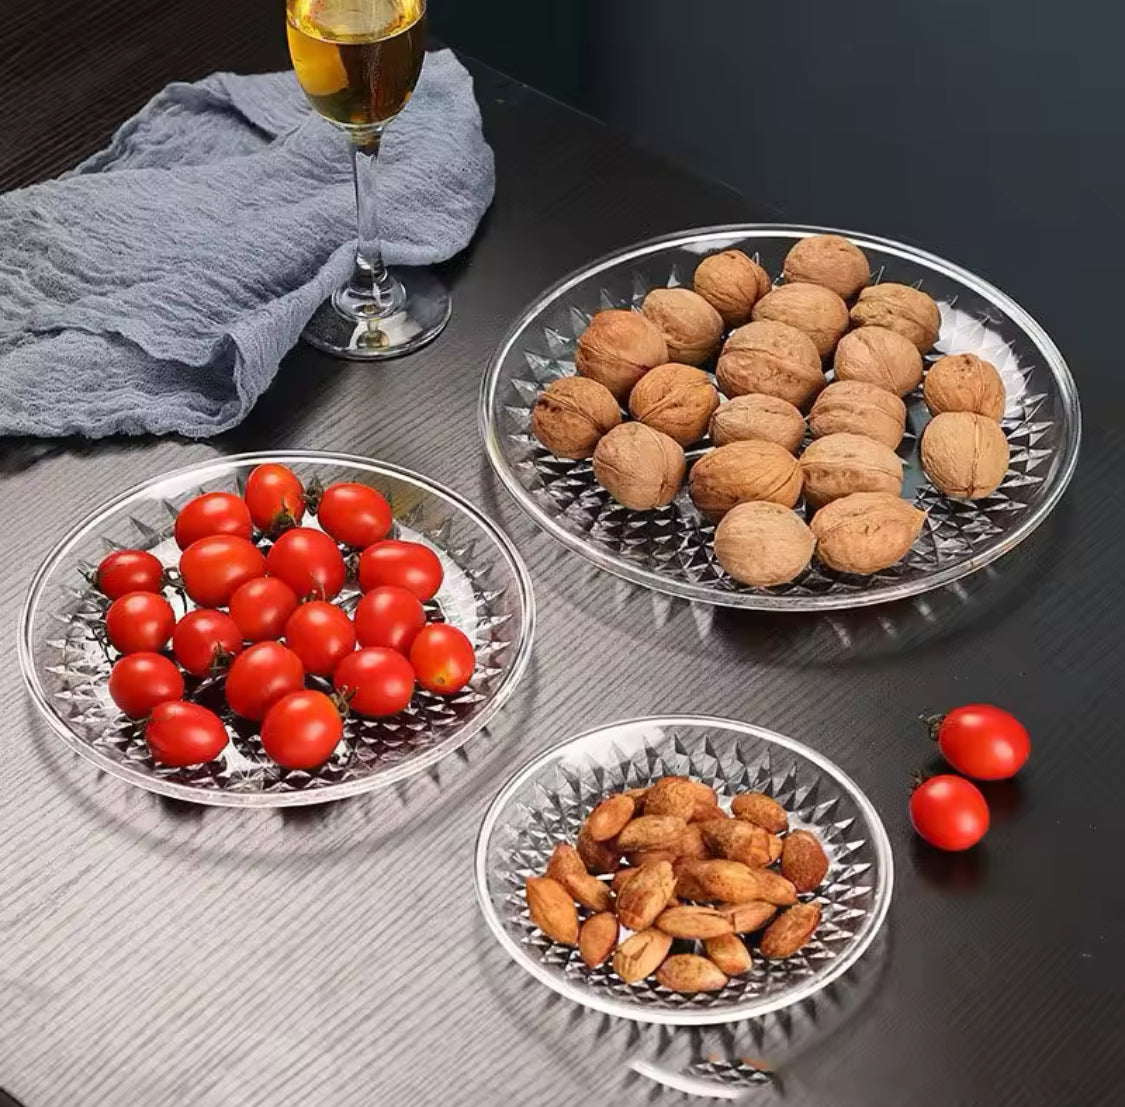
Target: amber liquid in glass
(357, 60)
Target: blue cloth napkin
(157, 286)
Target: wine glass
(358, 62)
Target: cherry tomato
(181, 733)
(407, 565)
(128, 571)
(949, 812)
(309, 562)
(354, 514)
(321, 635)
(275, 497)
(140, 681)
(261, 608)
(203, 640)
(214, 567)
(212, 513)
(983, 742)
(302, 729)
(443, 658)
(260, 676)
(389, 617)
(375, 681)
(140, 622)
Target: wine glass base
(420, 320)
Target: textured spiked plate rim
(62, 555)
(720, 237)
(753, 1008)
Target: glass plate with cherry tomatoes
(276, 630)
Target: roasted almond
(761, 809)
(803, 860)
(775, 847)
(728, 951)
(645, 896)
(565, 862)
(672, 795)
(704, 793)
(608, 819)
(738, 840)
(638, 796)
(790, 930)
(692, 844)
(687, 883)
(552, 909)
(693, 922)
(688, 972)
(650, 832)
(748, 916)
(590, 892)
(621, 878)
(640, 955)
(734, 882)
(705, 812)
(599, 857)
(651, 856)
(597, 938)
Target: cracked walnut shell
(856, 407)
(772, 358)
(732, 284)
(572, 415)
(763, 544)
(829, 260)
(900, 308)
(965, 454)
(840, 464)
(675, 399)
(865, 532)
(812, 308)
(617, 349)
(881, 357)
(964, 382)
(742, 471)
(640, 467)
(691, 327)
(756, 415)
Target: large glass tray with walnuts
(781, 417)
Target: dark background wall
(989, 131)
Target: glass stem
(370, 280)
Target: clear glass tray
(486, 593)
(547, 801)
(670, 549)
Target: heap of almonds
(692, 873)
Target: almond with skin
(608, 819)
(590, 892)
(705, 812)
(621, 878)
(651, 832)
(646, 895)
(598, 857)
(738, 840)
(564, 863)
(803, 860)
(650, 856)
(552, 909)
(597, 938)
(688, 972)
(671, 795)
(639, 796)
(775, 847)
(749, 916)
(693, 922)
(729, 953)
(733, 882)
(687, 883)
(692, 843)
(762, 810)
(641, 954)
(790, 931)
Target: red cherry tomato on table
(302, 729)
(260, 676)
(983, 742)
(949, 812)
(275, 497)
(309, 562)
(408, 565)
(214, 567)
(261, 608)
(128, 571)
(212, 513)
(204, 639)
(354, 514)
(181, 733)
(140, 622)
(321, 635)
(390, 617)
(140, 681)
(443, 658)
(375, 681)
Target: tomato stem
(933, 724)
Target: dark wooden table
(157, 955)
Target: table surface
(162, 955)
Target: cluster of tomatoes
(982, 742)
(265, 621)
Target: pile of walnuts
(771, 369)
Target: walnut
(965, 454)
(675, 399)
(763, 543)
(639, 467)
(572, 414)
(742, 471)
(856, 407)
(829, 260)
(811, 308)
(617, 349)
(772, 358)
(900, 308)
(841, 464)
(691, 327)
(865, 532)
(879, 356)
(964, 382)
(757, 415)
(731, 283)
